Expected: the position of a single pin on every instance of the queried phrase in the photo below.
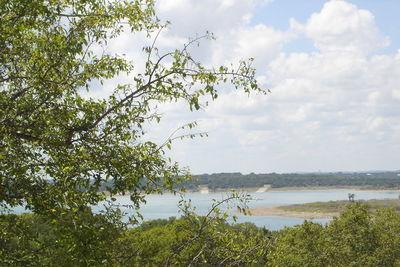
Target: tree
(57, 147)
(357, 237)
(298, 246)
(220, 245)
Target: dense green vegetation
(238, 180)
(336, 207)
(356, 238)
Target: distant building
(204, 189)
(264, 188)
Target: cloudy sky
(333, 68)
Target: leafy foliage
(356, 238)
(69, 239)
(220, 244)
(57, 147)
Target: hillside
(375, 180)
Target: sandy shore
(323, 188)
(278, 211)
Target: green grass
(339, 206)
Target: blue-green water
(165, 206)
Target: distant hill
(382, 180)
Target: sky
(333, 68)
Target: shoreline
(280, 189)
(278, 211)
(310, 188)
(321, 210)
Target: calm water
(165, 206)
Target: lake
(165, 206)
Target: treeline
(275, 180)
(356, 238)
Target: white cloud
(341, 26)
(332, 109)
(192, 16)
(327, 107)
(396, 94)
(261, 42)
